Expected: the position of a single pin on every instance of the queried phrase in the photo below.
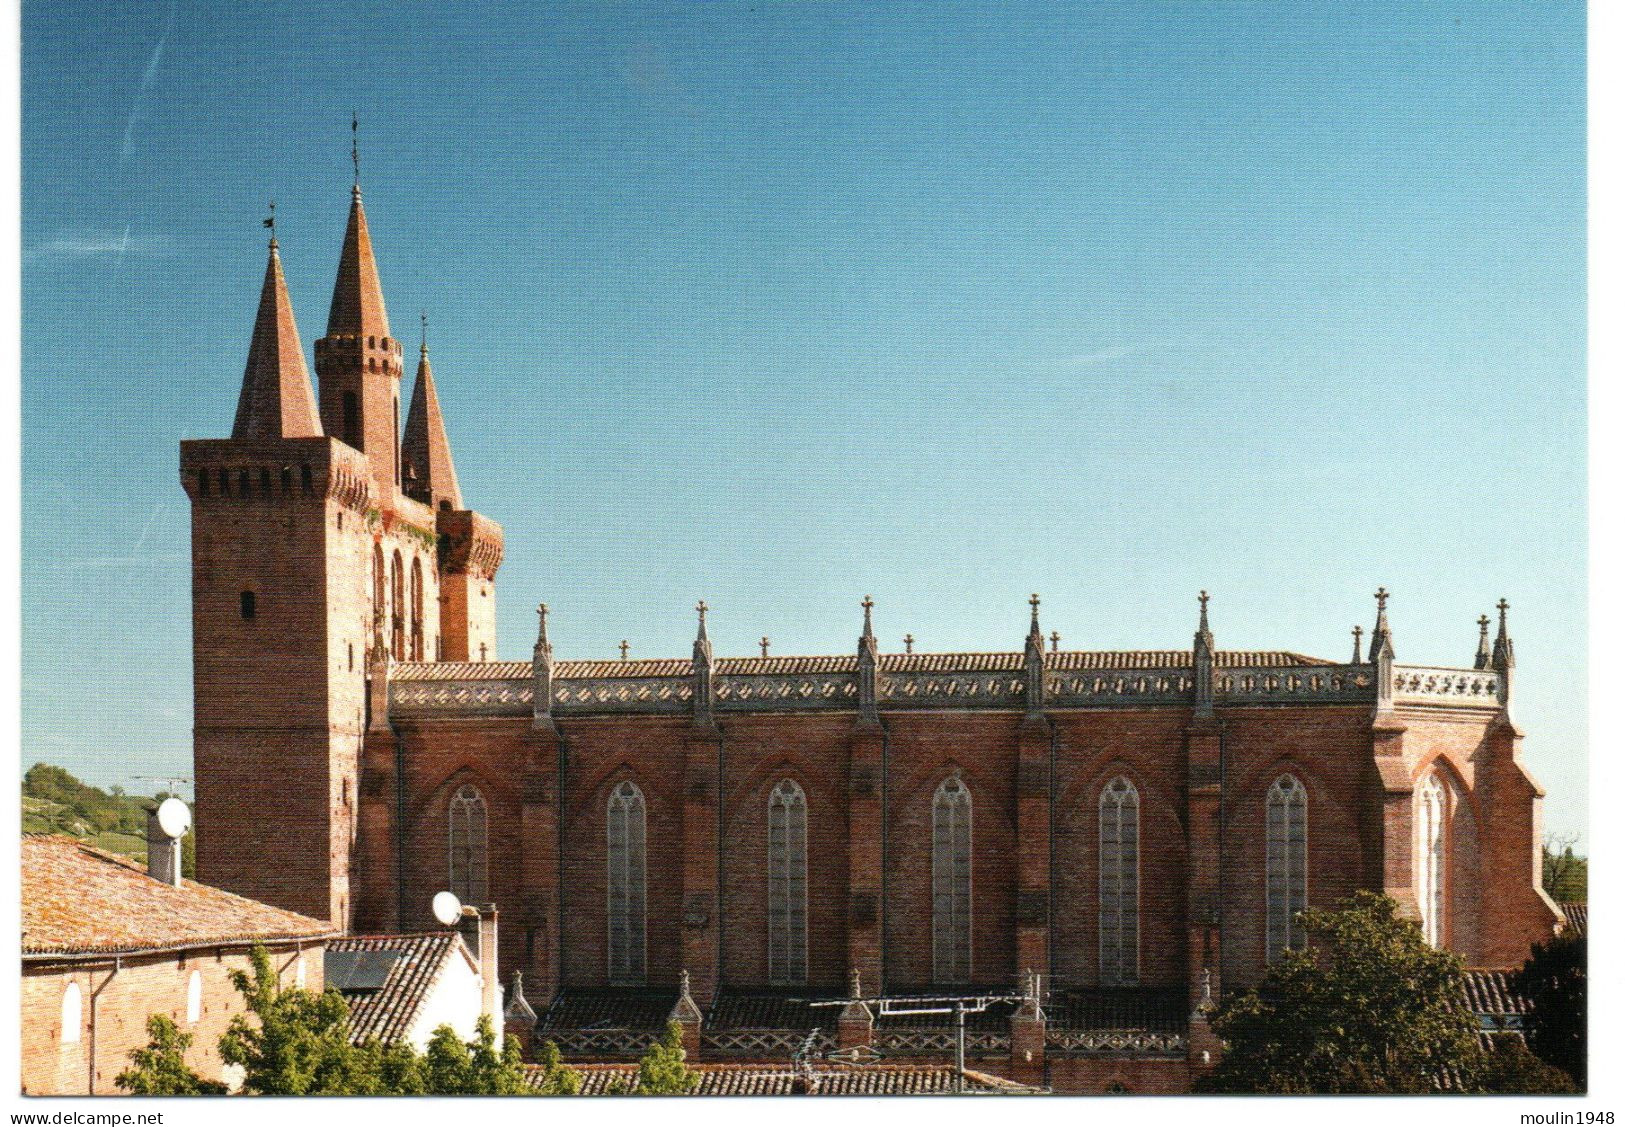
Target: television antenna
(908, 1005)
(174, 781)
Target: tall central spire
(276, 400)
(358, 364)
(358, 299)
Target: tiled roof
(1005, 661)
(829, 1080)
(387, 1013)
(1575, 917)
(1489, 993)
(609, 1009)
(77, 899)
(1124, 1009)
(768, 1011)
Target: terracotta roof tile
(1574, 916)
(388, 1012)
(609, 1009)
(78, 899)
(1006, 661)
(829, 1080)
(1490, 993)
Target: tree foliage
(1562, 874)
(1553, 978)
(1368, 1006)
(160, 1069)
(1509, 1067)
(663, 1070)
(296, 1042)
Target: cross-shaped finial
(868, 603)
(1201, 597)
(1054, 641)
(1382, 597)
(1033, 602)
(1483, 624)
(624, 648)
(541, 613)
(1503, 606)
(908, 643)
(1358, 630)
(702, 608)
(764, 645)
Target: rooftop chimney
(163, 852)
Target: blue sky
(780, 306)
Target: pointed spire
(1481, 660)
(276, 399)
(1202, 660)
(868, 668)
(1035, 661)
(686, 1011)
(431, 475)
(541, 673)
(1359, 654)
(700, 639)
(1502, 656)
(358, 299)
(1382, 642)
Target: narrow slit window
(787, 884)
(467, 845)
(1119, 883)
(245, 604)
(1286, 865)
(627, 889)
(951, 882)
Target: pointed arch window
(397, 622)
(787, 884)
(1430, 859)
(1119, 883)
(1286, 864)
(417, 610)
(951, 882)
(627, 886)
(468, 845)
(379, 594)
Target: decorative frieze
(1470, 687)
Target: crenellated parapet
(469, 543)
(250, 470)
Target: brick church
(731, 840)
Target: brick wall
(124, 998)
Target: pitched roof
(1065, 660)
(1574, 917)
(276, 400)
(80, 900)
(410, 966)
(828, 1080)
(643, 1009)
(1490, 994)
(425, 450)
(358, 299)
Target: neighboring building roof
(80, 900)
(1490, 994)
(827, 1080)
(639, 1009)
(1574, 916)
(1007, 661)
(387, 979)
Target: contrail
(148, 76)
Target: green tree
(1369, 1006)
(299, 1041)
(1511, 1069)
(160, 1069)
(663, 1070)
(558, 1078)
(453, 1067)
(1553, 978)
(1562, 874)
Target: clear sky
(780, 306)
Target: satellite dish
(174, 817)
(447, 908)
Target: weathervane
(270, 221)
(355, 146)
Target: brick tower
(311, 565)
